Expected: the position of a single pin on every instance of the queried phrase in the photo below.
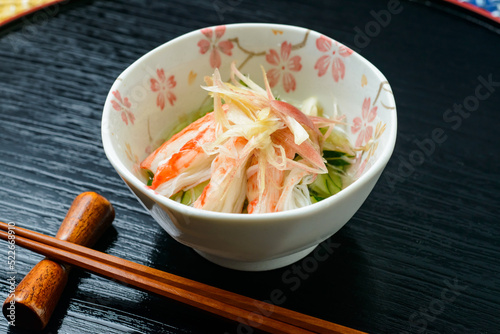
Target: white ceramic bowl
(162, 88)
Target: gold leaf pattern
(192, 77)
(364, 81)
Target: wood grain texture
(433, 232)
(42, 279)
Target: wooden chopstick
(155, 286)
(264, 316)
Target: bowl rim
(222, 217)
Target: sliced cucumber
(337, 159)
(191, 195)
(177, 196)
(326, 185)
(337, 141)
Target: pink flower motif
(163, 86)
(123, 106)
(284, 65)
(212, 43)
(325, 44)
(361, 123)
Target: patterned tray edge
(474, 8)
(461, 3)
(28, 11)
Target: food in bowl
(160, 91)
(253, 153)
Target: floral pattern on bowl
(285, 66)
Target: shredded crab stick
(226, 190)
(295, 192)
(252, 154)
(181, 162)
(174, 144)
(264, 185)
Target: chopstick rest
(37, 294)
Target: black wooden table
(420, 256)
